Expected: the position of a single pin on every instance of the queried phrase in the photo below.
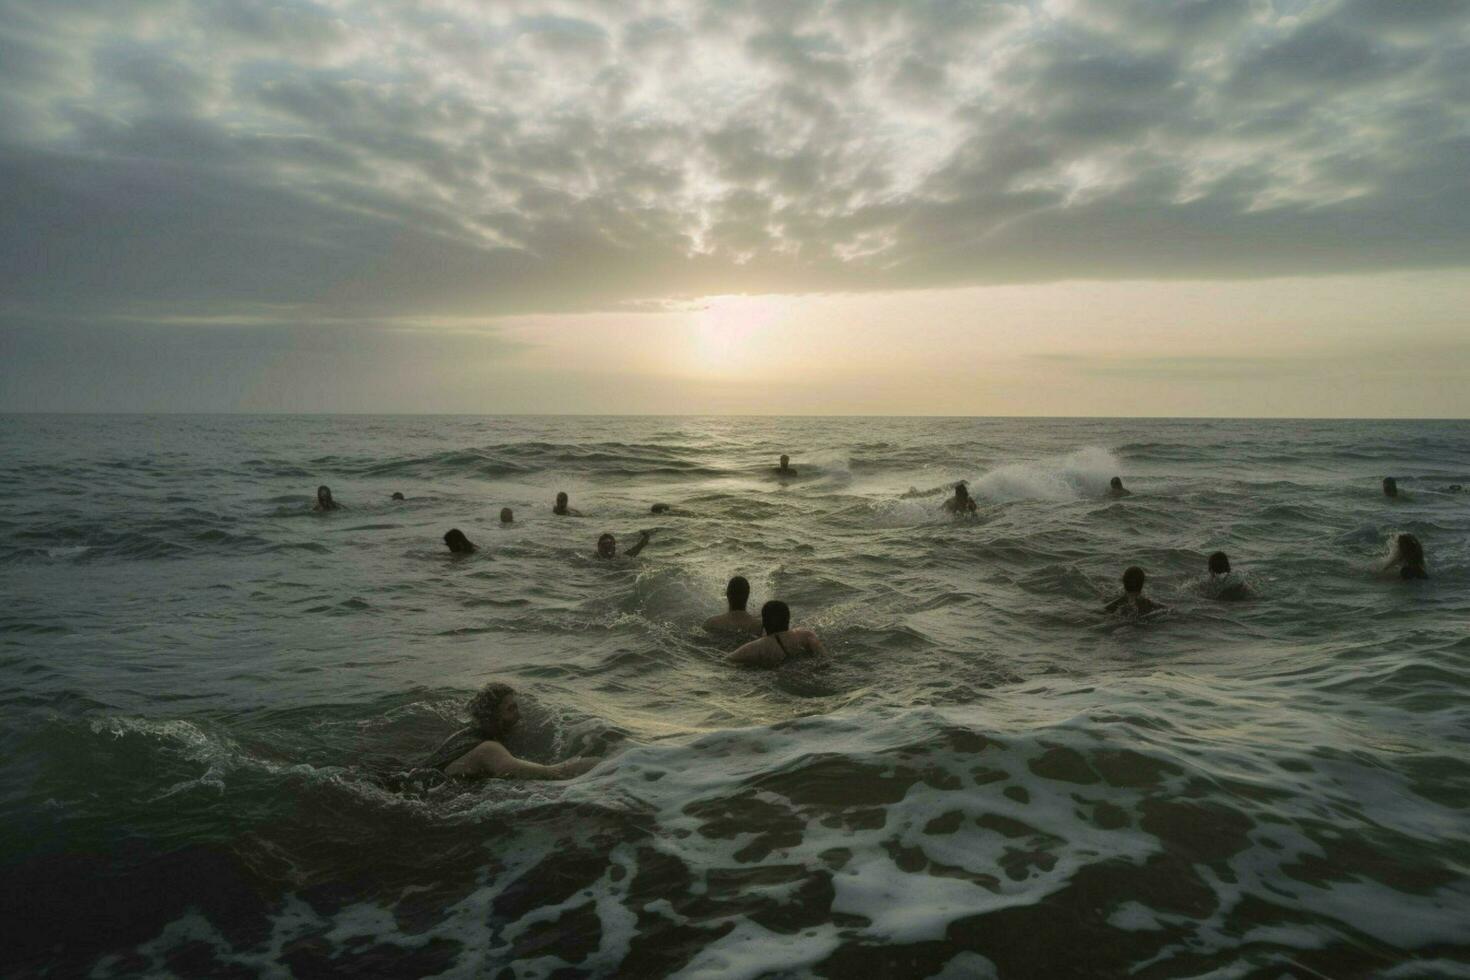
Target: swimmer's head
(1133, 578)
(506, 516)
(737, 593)
(1116, 483)
(457, 542)
(1219, 564)
(1409, 551)
(785, 462)
(1390, 487)
(494, 710)
(659, 509)
(961, 491)
(324, 494)
(775, 616)
(397, 495)
(607, 546)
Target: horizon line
(744, 415)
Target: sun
(732, 335)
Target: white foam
(1082, 473)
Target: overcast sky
(1068, 207)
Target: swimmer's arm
(1113, 606)
(813, 644)
(494, 759)
(642, 542)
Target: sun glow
(735, 335)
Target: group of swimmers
(478, 750)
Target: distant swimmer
(458, 543)
(1408, 555)
(607, 546)
(737, 620)
(1133, 602)
(324, 499)
(476, 751)
(1390, 487)
(660, 509)
(781, 643)
(562, 510)
(398, 496)
(1116, 488)
(1454, 488)
(785, 469)
(1225, 584)
(506, 517)
(960, 503)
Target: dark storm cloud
(350, 158)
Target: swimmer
(737, 620)
(1116, 488)
(561, 509)
(660, 509)
(398, 496)
(506, 517)
(1454, 488)
(324, 499)
(780, 643)
(785, 468)
(960, 503)
(1390, 487)
(1133, 602)
(607, 546)
(1225, 584)
(476, 751)
(457, 542)
(1408, 554)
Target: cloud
(199, 157)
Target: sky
(931, 207)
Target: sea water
(210, 693)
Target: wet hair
(1409, 550)
(398, 496)
(785, 459)
(738, 593)
(659, 509)
(1116, 483)
(458, 543)
(323, 489)
(606, 536)
(561, 498)
(1390, 487)
(1219, 563)
(1133, 579)
(484, 708)
(775, 616)
(506, 516)
(961, 491)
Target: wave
(527, 458)
(1082, 473)
(828, 843)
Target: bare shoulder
(485, 759)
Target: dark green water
(207, 689)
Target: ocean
(210, 694)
